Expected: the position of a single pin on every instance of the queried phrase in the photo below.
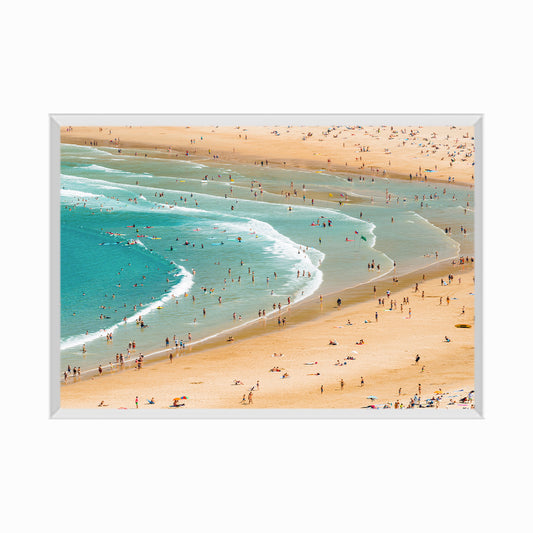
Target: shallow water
(152, 237)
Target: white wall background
(335, 57)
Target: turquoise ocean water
(199, 247)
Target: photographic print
(260, 264)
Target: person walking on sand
(362, 381)
(170, 356)
(136, 402)
(250, 400)
(321, 389)
(342, 384)
(417, 358)
(376, 315)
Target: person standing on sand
(170, 356)
(342, 384)
(417, 358)
(376, 315)
(136, 402)
(250, 400)
(362, 381)
(321, 389)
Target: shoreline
(296, 155)
(216, 364)
(301, 312)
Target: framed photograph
(275, 266)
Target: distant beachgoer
(362, 381)
(137, 402)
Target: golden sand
(386, 360)
(436, 152)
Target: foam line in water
(184, 285)
(71, 193)
(446, 235)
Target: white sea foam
(109, 170)
(283, 247)
(71, 193)
(183, 286)
(446, 235)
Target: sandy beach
(436, 153)
(386, 361)
(249, 372)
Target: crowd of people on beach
(179, 345)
